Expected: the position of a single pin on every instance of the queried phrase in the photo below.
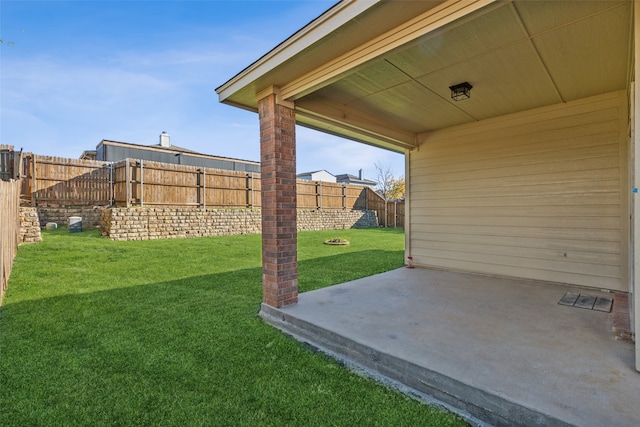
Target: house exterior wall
(318, 176)
(540, 195)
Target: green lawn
(95, 332)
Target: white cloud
(74, 99)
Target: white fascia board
(353, 119)
(361, 129)
(432, 20)
(331, 20)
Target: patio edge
(476, 406)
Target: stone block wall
(29, 226)
(312, 220)
(91, 217)
(168, 223)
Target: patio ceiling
(379, 72)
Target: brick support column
(279, 232)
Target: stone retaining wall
(29, 226)
(91, 217)
(167, 223)
(311, 220)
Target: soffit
(517, 56)
(379, 18)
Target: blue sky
(75, 72)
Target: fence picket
(9, 229)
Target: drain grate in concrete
(603, 304)
(587, 302)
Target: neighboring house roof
(173, 149)
(88, 155)
(352, 179)
(314, 172)
(176, 148)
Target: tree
(397, 189)
(389, 187)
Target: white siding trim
(407, 203)
(635, 297)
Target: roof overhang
(379, 71)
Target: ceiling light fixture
(460, 91)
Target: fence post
(366, 198)
(395, 214)
(17, 165)
(248, 189)
(34, 188)
(344, 197)
(198, 173)
(141, 184)
(127, 181)
(110, 166)
(386, 214)
(5, 167)
(317, 199)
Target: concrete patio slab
(499, 350)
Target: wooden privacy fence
(330, 195)
(57, 181)
(147, 183)
(390, 212)
(395, 214)
(9, 229)
(54, 181)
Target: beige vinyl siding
(537, 195)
